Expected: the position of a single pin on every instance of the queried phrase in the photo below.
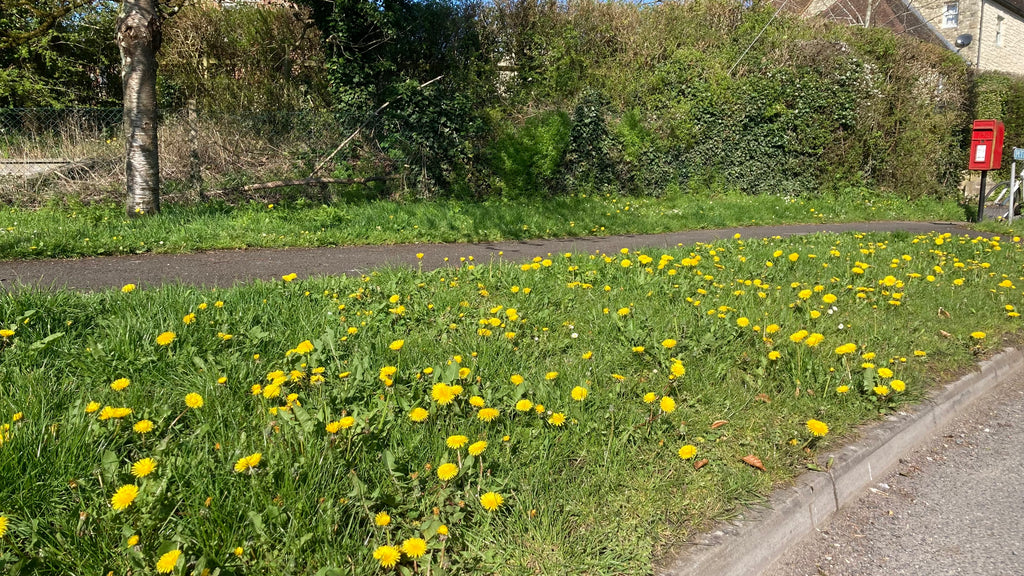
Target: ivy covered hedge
(585, 95)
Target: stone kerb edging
(749, 544)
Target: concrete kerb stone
(749, 544)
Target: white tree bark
(138, 38)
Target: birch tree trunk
(138, 38)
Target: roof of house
(1015, 6)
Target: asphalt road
(224, 268)
(954, 507)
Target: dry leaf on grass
(754, 461)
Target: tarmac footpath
(225, 268)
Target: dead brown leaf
(763, 398)
(700, 464)
(718, 424)
(754, 461)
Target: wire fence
(81, 150)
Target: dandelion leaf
(40, 344)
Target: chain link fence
(80, 151)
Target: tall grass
(643, 354)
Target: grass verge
(78, 230)
(312, 427)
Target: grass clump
(66, 231)
(580, 413)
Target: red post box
(986, 145)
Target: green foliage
(587, 160)
(73, 63)
(526, 159)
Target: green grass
(77, 230)
(605, 493)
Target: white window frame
(951, 15)
(999, 31)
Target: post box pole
(1013, 184)
(981, 197)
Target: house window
(999, 31)
(951, 16)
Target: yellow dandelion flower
(814, 339)
(743, 322)
(848, 348)
(677, 369)
(132, 541)
(3, 526)
(239, 551)
(842, 389)
(516, 379)
(388, 556)
(477, 448)
(418, 414)
(124, 496)
(333, 427)
(885, 372)
(667, 404)
(817, 427)
(143, 467)
(109, 413)
(414, 547)
(668, 343)
(457, 441)
(557, 419)
(442, 530)
(442, 393)
(447, 471)
(289, 277)
(978, 335)
(127, 288)
(120, 384)
(650, 397)
(347, 422)
(143, 426)
(579, 393)
(396, 345)
(165, 338)
(881, 390)
(688, 451)
(487, 414)
(491, 501)
(92, 407)
(551, 375)
(774, 355)
(898, 385)
(167, 562)
(189, 318)
(193, 400)
(798, 336)
(248, 463)
(524, 405)
(382, 519)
